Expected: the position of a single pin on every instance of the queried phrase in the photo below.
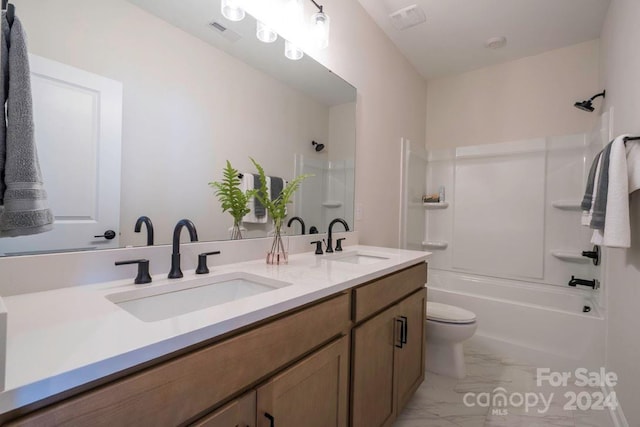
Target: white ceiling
(452, 39)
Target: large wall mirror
(138, 104)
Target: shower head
(587, 105)
(584, 106)
(318, 147)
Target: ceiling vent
(407, 17)
(223, 31)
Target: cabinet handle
(401, 332)
(405, 330)
(272, 421)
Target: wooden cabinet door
(372, 401)
(311, 393)
(410, 358)
(239, 413)
(180, 389)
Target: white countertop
(63, 338)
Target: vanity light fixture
(293, 15)
(232, 10)
(292, 51)
(320, 22)
(265, 33)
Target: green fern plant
(232, 198)
(277, 208)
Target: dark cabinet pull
(109, 235)
(401, 332)
(405, 330)
(272, 421)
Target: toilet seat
(445, 313)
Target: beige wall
(621, 71)
(521, 99)
(391, 105)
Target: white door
(78, 131)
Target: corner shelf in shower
(570, 256)
(439, 205)
(435, 244)
(567, 205)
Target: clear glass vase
(278, 253)
(235, 232)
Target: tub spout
(594, 284)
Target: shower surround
(508, 240)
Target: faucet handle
(143, 270)
(202, 262)
(318, 244)
(339, 244)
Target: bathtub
(542, 325)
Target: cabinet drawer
(374, 296)
(180, 389)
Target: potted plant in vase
(277, 209)
(233, 199)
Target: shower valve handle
(593, 254)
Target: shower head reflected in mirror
(318, 147)
(587, 105)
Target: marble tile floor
(440, 401)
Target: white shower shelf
(439, 205)
(567, 205)
(332, 203)
(570, 256)
(435, 244)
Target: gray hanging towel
(4, 90)
(587, 200)
(277, 184)
(600, 203)
(26, 210)
(258, 208)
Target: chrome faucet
(176, 272)
(147, 222)
(297, 218)
(329, 233)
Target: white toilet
(447, 328)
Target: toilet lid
(449, 313)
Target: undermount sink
(171, 300)
(357, 258)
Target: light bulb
(321, 25)
(292, 51)
(264, 33)
(232, 10)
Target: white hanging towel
(633, 165)
(624, 178)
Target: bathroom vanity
(338, 341)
